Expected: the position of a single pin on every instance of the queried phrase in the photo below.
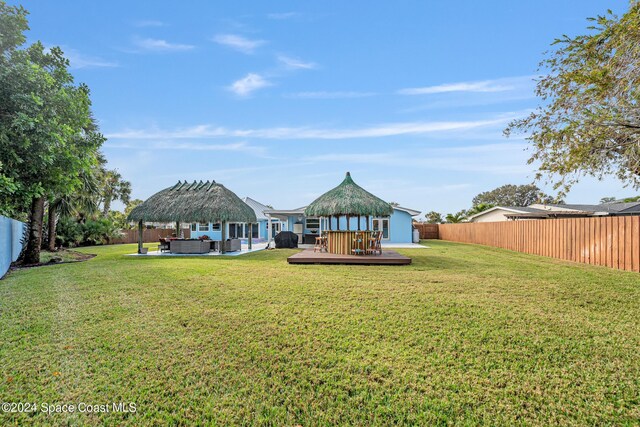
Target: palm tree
(456, 217)
(81, 202)
(114, 188)
(481, 207)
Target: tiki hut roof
(193, 202)
(348, 198)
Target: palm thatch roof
(193, 202)
(348, 198)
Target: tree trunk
(32, 254)
(51, 229)
(106, 207)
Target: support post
(269, 231)
(358, 222)
(250, 234)
(178, 230)
(140, 236)
(223, 231)
(330, 222)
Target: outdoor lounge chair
(164, 245)
(232, 245)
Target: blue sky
(277, 100)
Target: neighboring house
(238, 230)
(499, 213)
(396, 228)
(542, 211)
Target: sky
(277, 100)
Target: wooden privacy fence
(149, 235)
(609, 241)
(427, 231)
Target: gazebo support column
(140, 236)
(330, 222)
(178, 229)
(223, 230)
(358, 222)
(269, 233)
(250, 234)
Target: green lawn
(465, 335)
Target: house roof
(194, 202)
(575, 207)
(629, 207)
(258, 208)
(411, 212)
(610, 208)
(566, 210)
(348, 198)
(299, 211)
(550, 214)
(513, 209)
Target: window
(203, 226)
(193, 227)
(382, 224)
(216, 227)
(254, 231)
(237, 230)
(312, 224)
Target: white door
(276, 228)
(382, 224)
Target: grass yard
(465, 335)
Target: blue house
(240, 230)
(396, 228)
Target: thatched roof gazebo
(350, 200)
(193, 202)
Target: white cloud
(494, 159)
(375, 131)
(248, 84)
(188, 146)
(238, 43)
(78, 60)
(148, 23)
(159, 45)
(282, 15)
(295, 64)
(485, 86)
(329, 95)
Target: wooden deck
(308, 256)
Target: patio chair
(321, 244)
(359, 244)
(164, 245)
(375, 243)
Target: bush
(91, 232)
(69, 232)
